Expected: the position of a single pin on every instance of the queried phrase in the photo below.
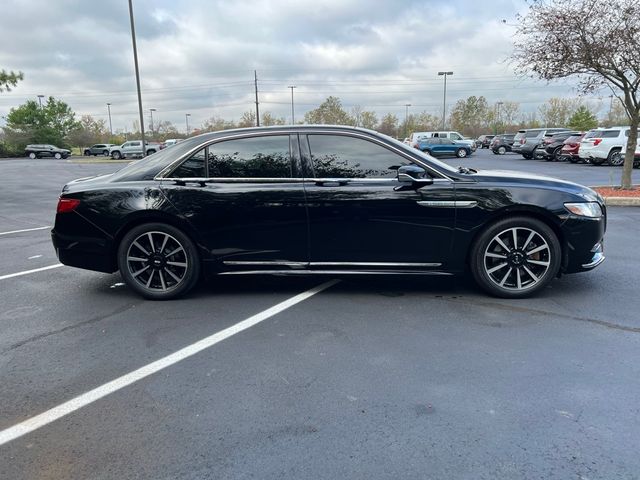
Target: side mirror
(414, 175)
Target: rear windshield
(574, 139)
(519, 135)
(592, 134)
(508, 137)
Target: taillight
(67, 205)
(596, 141)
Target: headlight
(585, 209)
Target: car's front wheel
(515, 257)
(116, 155)
(502, 150)
(58, 156)
(33, 156)
(461, 153)
(158, 261)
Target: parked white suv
(415, 138)
(603, 144)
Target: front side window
(253, 157)
(193, 167)
(338, 156)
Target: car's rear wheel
(58, 156)
(616, 158)
(33, 156)
(502, 150)
(557, 154)
(105, 153)
(461, 153)
(158, 261)
(515, 257)
(527, 156)
(87, 153)
(116, 155)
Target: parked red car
(570, 148)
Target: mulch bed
(618, 192)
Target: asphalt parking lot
(368, 378)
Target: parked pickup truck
(132, 148)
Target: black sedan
(323, 200)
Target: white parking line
(91, 396)
(27, 272)
(25, 230)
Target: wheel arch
(154, 216)
(531, 211)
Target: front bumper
(583, 238)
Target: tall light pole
(40, 97)
(498, 105)
(110, 126)
(186, 119)
(151, 126)
(406, 117)
(444, 100)
(135, 62)
(293, 115)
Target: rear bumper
(90, 253)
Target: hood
(525, 178)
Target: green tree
(267, 120)
(9, 79)
(368, 119)
(389, 125)
(595, 41)
(583, 119)
(330, 112)
(30, 123)
(469, 116)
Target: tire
(105, 153)
(512, 273)
(636, 163)
(87, 153)
(33, 155)
(557, 153)
(527, 156)
(502, 150)
(461, 153)
(428, 152)
(167, 253)
(151, 152)
(615, 158)
(57, 156)
(116, 155)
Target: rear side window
(253, 157)
(193, 167)
(533, 134)
(339, 156)
(592, 134)
(610, 133)
(519, 135)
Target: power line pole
(135, 62)
(255, 74)
(406, 117)
(40, 97)
(186, 117)
(293, 116)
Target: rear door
(245, 199)
(360, 217)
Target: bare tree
(597, 41)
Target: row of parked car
(129, 149)
(597, 146)
(442, 143)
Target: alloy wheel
(517, 259)
(157, 261)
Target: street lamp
(293, 116)
(110, 126)
(186, 119)
(498, 122)
(406, 117)
(444, 100)
(151, 126)
(135, 63)
(40, 97)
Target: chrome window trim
(162, 175)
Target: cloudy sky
(198, 56)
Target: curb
(87, 160)
(622, 201)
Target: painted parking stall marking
(25, 230)
(96, 394)
(27, 272)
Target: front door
(361, 217)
